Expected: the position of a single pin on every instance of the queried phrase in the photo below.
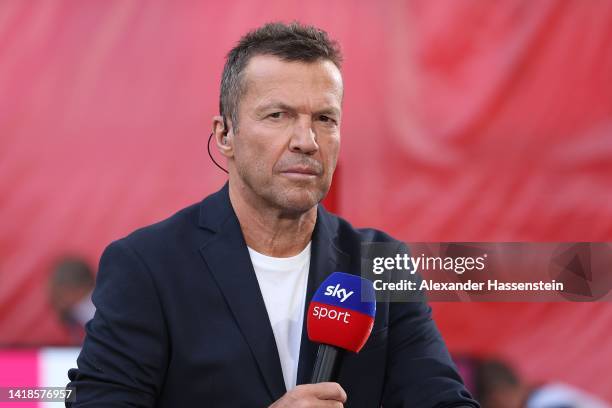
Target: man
(70, 287)
(206, 308)
(498, 385)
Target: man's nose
(304, 139)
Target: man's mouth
(301, 172)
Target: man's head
(498, 385)
(281, 96)
(71, 281)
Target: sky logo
(337, 291)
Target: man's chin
(300, 202)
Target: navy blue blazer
(180, 322)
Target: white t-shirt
(282, 282)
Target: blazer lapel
(227, 257)
(325, 259)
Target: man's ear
(223, 136)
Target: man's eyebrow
(283, 106)
(328, 111)
(274, 105)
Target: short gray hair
(292, 42)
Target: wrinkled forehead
(268, 77)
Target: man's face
(286, 149)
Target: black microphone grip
(327, 365)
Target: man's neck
(270, 231)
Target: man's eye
(275, 115)
(326, 119)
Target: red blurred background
(463, 121)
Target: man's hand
(324, 395)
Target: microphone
(340, 317)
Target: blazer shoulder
(180, 227)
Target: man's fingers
(330, 391)
(322, 395)
(330, 404)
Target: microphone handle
(327, 364)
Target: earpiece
(224, 140)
